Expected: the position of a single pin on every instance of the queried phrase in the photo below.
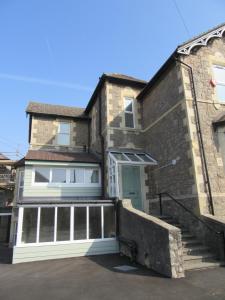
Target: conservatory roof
(134, 158)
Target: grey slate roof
(43, 155)
(125, 77)
(56, 110)
(3, 157)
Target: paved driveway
(95, 278)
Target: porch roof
(132, 157)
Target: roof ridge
(50, 104)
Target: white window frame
(63, 133)
(71, 239)
(129, 112)
(20, 186)
(113, 166)
(67, 183)
(219, 83)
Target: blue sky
(54, 51)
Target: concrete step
(191, 242)
(196, 265)
(187, 236)
(200, 257)
(195, 249)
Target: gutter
(102, 146)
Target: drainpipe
(199, 131)
(102, 146)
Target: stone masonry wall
(202, 60)
(44, 134)
(162, 250)
(166, 138)
(118, 135)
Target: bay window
(42, 174)
(59, 175)
(59, 224)
(77, 175)
(55, 175)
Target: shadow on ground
(111, 261)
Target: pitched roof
(201, 39)
(114, 78)
(81, 157)
(184, 49)
(3, 157)
(55, 110)
(124, 77)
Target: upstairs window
(63, 136)
(42, 175)
(219, 73)
(129, 112)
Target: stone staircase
(195, 254)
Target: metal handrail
(185, 208)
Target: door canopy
(131, 158)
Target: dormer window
(63, 135)
(129, 112)
(219, 74)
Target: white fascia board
(54, 163)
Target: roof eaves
(83, 117)
(112, 79)
(157, 75)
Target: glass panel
(29, 231)
(119, 156)
(59, 175)
(21, 179)
(42, 174)
(63, 224)
(144, 157)
(109, 222)
(132, 157)
(64, 128)
(77, 175)
(220, 90)
(128, 105)
(20, 193)
(80, 225)
(91, 176)
(95, 222)
(47, 224)
(129, 120)
(219, 74)
(63, 139)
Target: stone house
(134, 140)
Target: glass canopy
(132, 158)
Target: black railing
(189, 211)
